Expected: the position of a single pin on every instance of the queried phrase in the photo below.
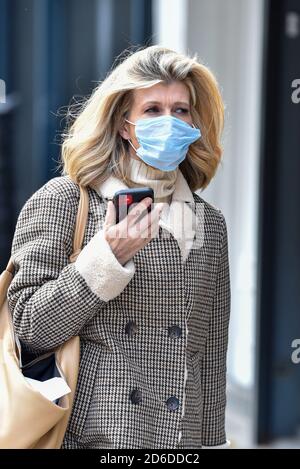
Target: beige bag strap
(81, 220)
(82, 216)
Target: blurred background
(52, 51)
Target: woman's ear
(123, 131)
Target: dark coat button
(174, 331)
(136, 396)
(131, 328)
(172, 403)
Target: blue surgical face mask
(164, 141)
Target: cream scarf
(162, 182)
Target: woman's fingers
(110, 217)
(136, 211)
(145, 227)
(135, 236)
(138, 229)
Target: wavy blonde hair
(93, 148)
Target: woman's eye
(183, 110)
(151, 109)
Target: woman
(149, 296)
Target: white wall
(227, 35)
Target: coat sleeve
(49, 297)
(214, 360)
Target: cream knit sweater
(162, 182)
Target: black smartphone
(125, 198)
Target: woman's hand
(132, 233)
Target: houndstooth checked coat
(153, 333)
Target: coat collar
(182, 192)
(179, 218)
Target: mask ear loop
(135, 149)
(130, 122)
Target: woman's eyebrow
(158, 102)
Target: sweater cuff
(101, 270)
(223, 446)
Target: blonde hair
(93, 148)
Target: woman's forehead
(175, 92)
